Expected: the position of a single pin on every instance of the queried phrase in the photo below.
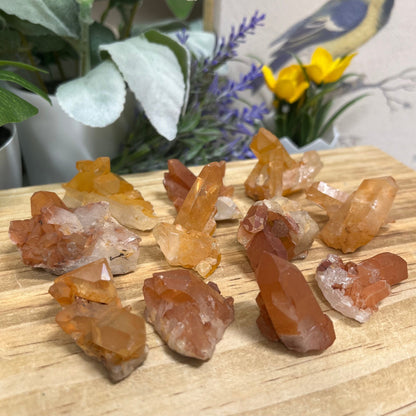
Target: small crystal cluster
(289, 311)
(355, 290)
(188, 242)
(94, 317)
(276, 173)
(59, 239)
(95, 182)
(188, 314)
(179, 180)
(354, 220)
(278, 226)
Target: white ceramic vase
(52, 142)
(10, 161)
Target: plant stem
(127, 28)
(85, 20)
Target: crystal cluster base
(95, 182)
(188, 314)
(356, 289)
(93, 316)
(59, 239)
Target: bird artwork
(339, 26)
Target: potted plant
(93, 65)
(303, 100)
(13, 110)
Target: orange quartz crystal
(289, 311)
(188, 314)
(179, 180)
(95, 182)
(94, 317)
(354, 220)
(356, 289)
(188, 242)
(279, 226)
(276, 173)
(59, 239)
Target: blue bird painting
(339, 26)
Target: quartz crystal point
(354, 220)
(93, 282)
(109, 333)
(95, 319)
(289, 311)
(355, 290)
(179, 180)
(59, 239)
(188, 242)
(188, 314)
(95, 182)
(276, 173)
(278, 226)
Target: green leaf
(21, 65)
(99, 35)
(329, 123)
(14, 109)
(9, 76)
(182, 55)
(97, 99)
(153, 73)
(61, 17)
(181, 8)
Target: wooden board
(370, 369)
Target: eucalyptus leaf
(97, 99)
(61, 17)
(153, 73)
(14, 109)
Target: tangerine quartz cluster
(289, 311)
(93, 316)
(355, 290)
(188, 242)
(95, 182)
(59, 239)
(354, 220)
(179, 180)
(278, 226)
(276, 173)
(188, 314)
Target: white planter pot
(318, 144)
(52, 142)
(10, 161)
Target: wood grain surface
(369, 370)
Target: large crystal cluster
(188, 242)
(355, 289)
(354, 220)
(188, 314)
(95, 182)
(93, 316)
(276, 173)
(278, 226)
(179, 180)
(59, 239)
(289, 311)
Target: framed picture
(383, 32)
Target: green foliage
(61, 36)
(14, 109)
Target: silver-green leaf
(61, 17)
(97, 99)
(154, 75)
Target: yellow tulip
(324, 69)
(289, 85)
